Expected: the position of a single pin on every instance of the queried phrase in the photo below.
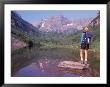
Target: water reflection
(44, 63)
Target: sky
(33, 16)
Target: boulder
(72, 65)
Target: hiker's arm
(88, 40)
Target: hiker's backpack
(86, 36)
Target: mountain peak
(61, 23)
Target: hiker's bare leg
(81, 54)
(86, 55)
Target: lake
(43, 62)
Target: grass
(52, 45)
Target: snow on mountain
(62, 24)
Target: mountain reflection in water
(44, 63)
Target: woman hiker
(84, 44)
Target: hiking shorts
(84, 46)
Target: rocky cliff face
(96, 20)
(16, 43)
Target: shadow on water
(42, 62)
